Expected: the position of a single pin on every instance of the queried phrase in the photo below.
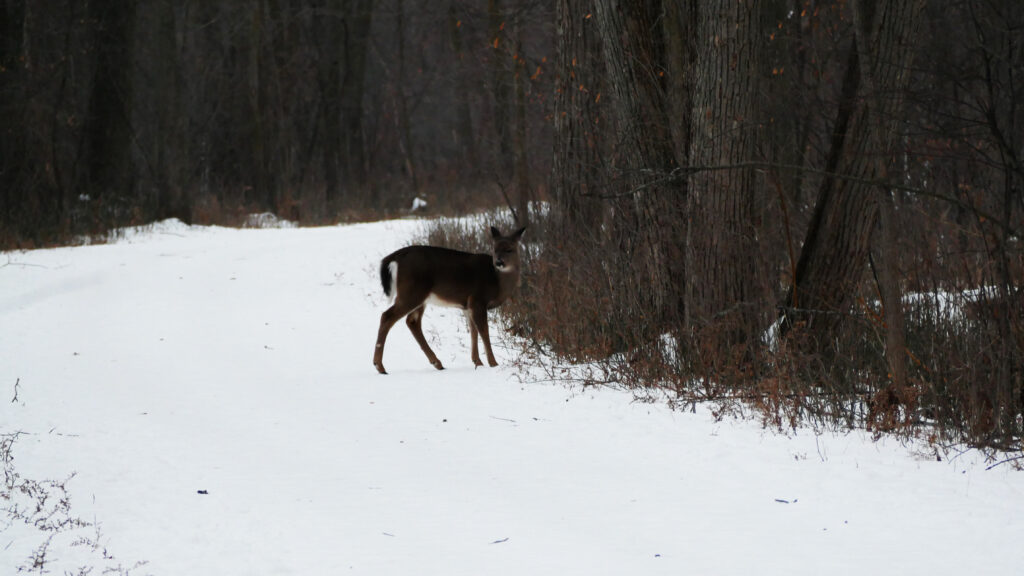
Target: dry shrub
(579, 317)
(970, 360)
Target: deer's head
(506, 250)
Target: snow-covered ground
(213, 392)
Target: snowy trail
(238, 362)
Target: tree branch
(680, 173)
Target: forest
(809, 207)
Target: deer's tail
(388, 276)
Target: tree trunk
(109, 132)
(13, 199)
(884, 250)
(832, 261)
(263, 193)
(522, 167)
(503, 164)
(328, 26)
(358, 17)
(576, 135)
(649, 226)
(725, 302)
(464, 122)
(679, 23)
(402, 117)
(172, 201)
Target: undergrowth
(38, 515)
(964, 387)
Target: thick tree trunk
(679, 23)
(725, 288)
(832, 261)
(649, 226)
(577, 152)
(884, 251)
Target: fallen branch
(1005, 461)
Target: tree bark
(500, 54)
(576, 135)
(884, 250)
(832, 261)
(649, 226)
(725, 302)
(522, 167)
(679, 25)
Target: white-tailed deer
(417, 275)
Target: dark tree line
(318, 110)
(813, 205)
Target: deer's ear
(495, 233)
(518, 234)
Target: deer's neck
(508, 281)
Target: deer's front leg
(475, 353)
(480, 321)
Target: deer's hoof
(493, 363)
(380, 368)
(438, 365)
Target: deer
(415, 276)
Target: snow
(239, 362)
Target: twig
(15, 399)
(680, 173)
(1001, 462)
(22, 264)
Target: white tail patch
(393, 292)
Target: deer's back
(451, 276)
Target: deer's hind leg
(387, 320)
(413, 321)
